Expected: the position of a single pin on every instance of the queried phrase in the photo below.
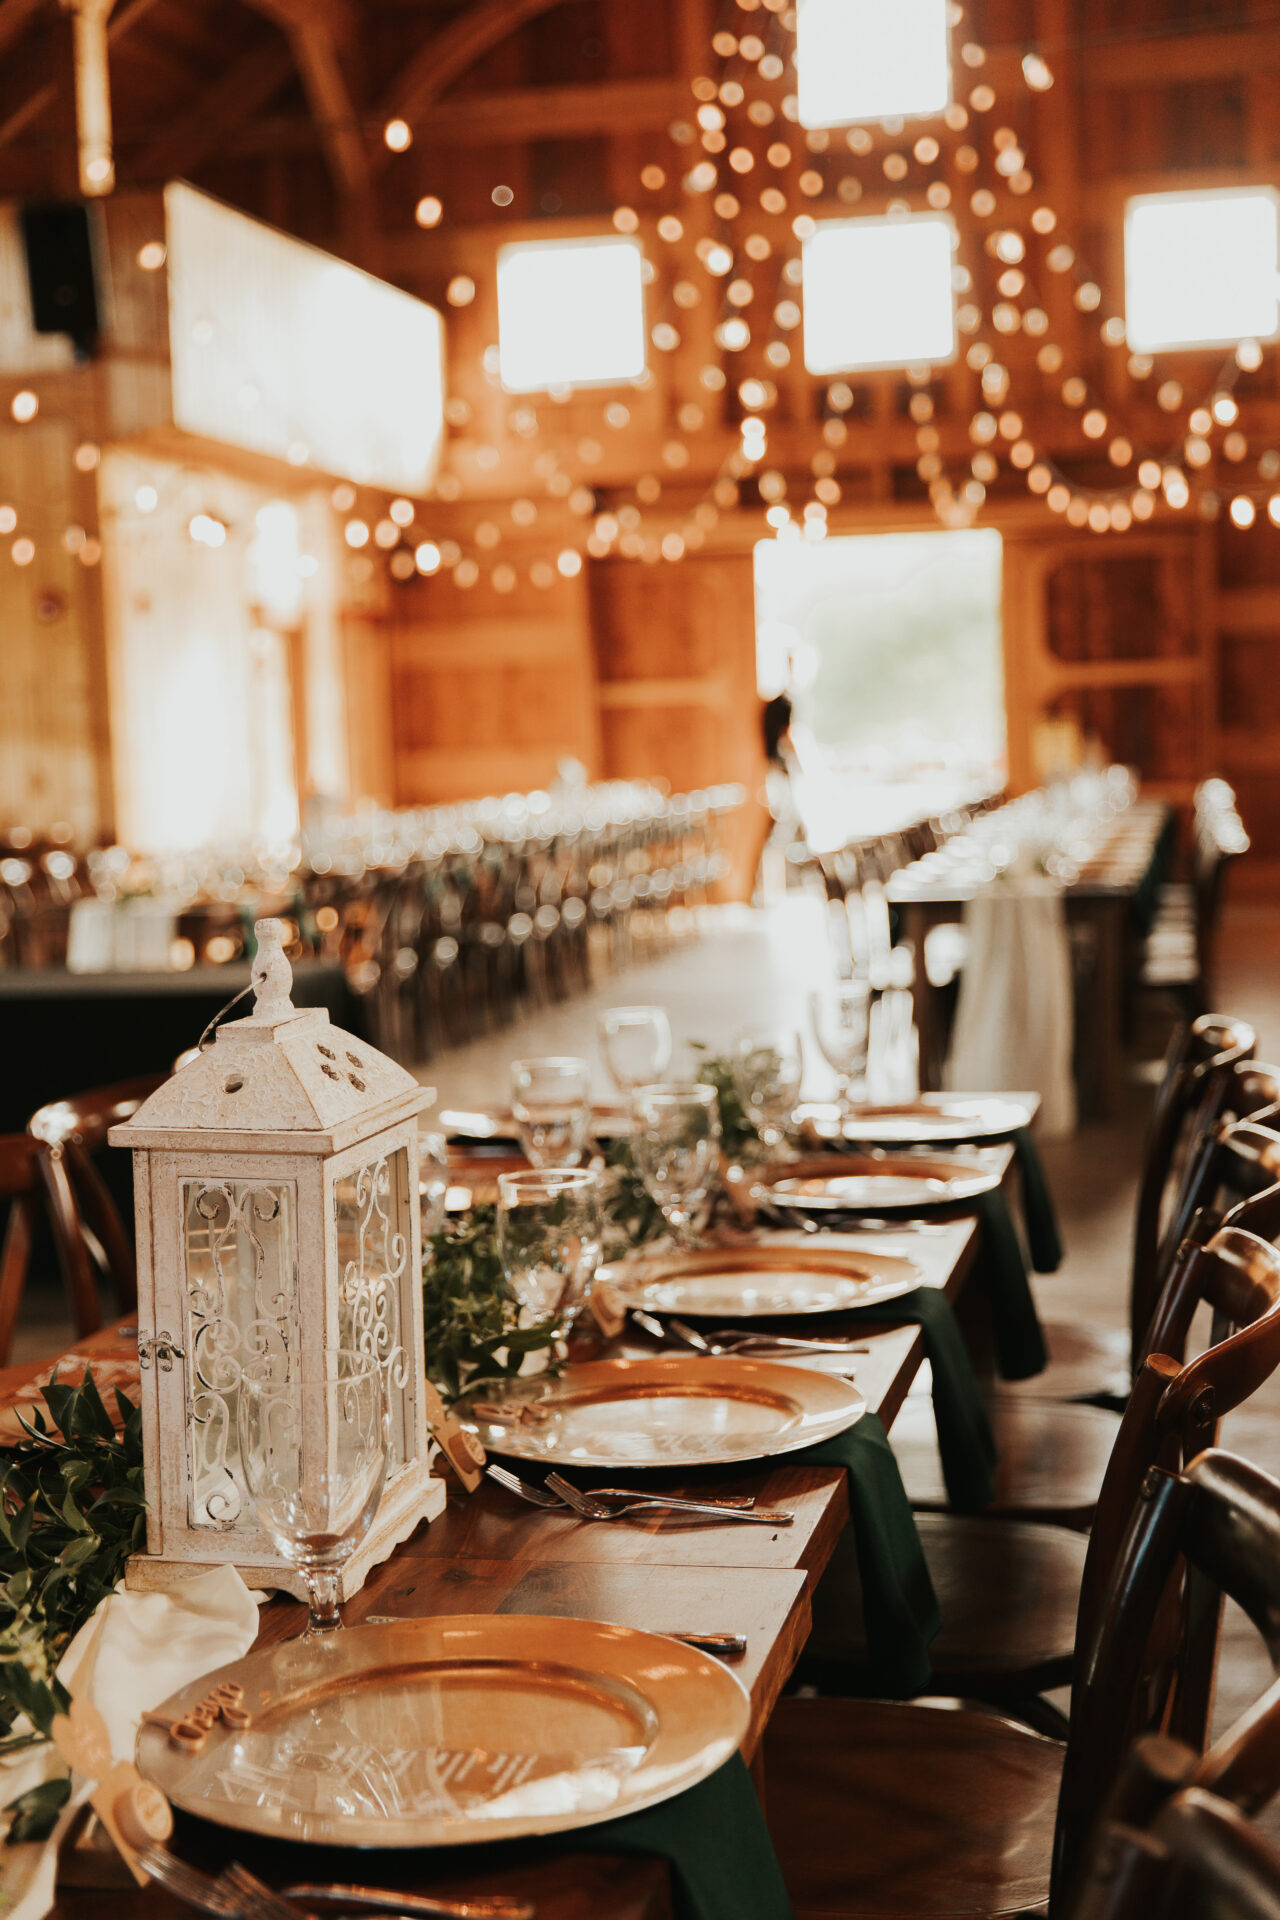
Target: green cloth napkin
(899, 1606)
(1038, 1215)
(723, 1866)
(965, 1440)
(1019, 1339)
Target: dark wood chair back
(1231, 1155)
(1200, 1858)
(31, 1180)
(1198, 1054)
(1196, 1536)
(1174, 1409)
(74, 1130)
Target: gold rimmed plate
(933, 1120)
(496, 1126)
(878, 1182)
(672, 1410)
(761, 1282)
(444, 1732)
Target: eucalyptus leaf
(35, 1813)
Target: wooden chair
(887, 1810)
(32, 1180)
(1053, 1452)
(74, 1130)
(1010, 1593)
(1194, 1855)
(1208, 1072)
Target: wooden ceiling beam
(1224, 54)
(450, 52)
(560, 113)
(124, 17)
(247, 85)
(321, 34)
(14, 15)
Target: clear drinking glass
(550, 1239)
(767, 1070)
(841, 1015)
(313, 1447)
(636, 1043)
(551, 1102)
(675, 1138)
(433, 1183)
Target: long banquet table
(1105, 906)
(489, 1552)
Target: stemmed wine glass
(551, 1239)
(433, 1184)
(767, 1069)
(551, 1103)
(841, 1016)
(636, 1043)
(313, 1448)
(675, 1138)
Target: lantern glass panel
(371, 1213)
(240, 1299)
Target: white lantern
(275, 1185)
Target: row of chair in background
(968, 1805)
(1178, 948)
(443, 919)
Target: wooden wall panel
(675, 658)
(53, 721)
(489, 691)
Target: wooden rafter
(14, 15)
(125, 16)
(247, 85)
(320, 35)
(450, 52)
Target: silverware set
(730, 1340)
(612, 1503)
(237, 1894)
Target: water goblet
(767, 1069)
(841, 1016)
(313, 1448)
(636, 1043)
(550, 1230)
(675, 1139)
(551, 1103)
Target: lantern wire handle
(206, 1038)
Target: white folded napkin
(135, 1651)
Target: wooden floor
(738, 975)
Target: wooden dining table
(1099, 905)
(489, 1552)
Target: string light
(24, 406)
(1242, 511)
(398, 135)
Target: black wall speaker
(59, 247)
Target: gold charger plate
(755, 1282)
(672, 1410)
(445, 1732)
(936, 1120)
(878, 1183)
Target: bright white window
(570, 313)
(1200, 268)
(877, 293)
(870, 59)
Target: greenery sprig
(738, 1133)
(471, 1317)
(72, 1510)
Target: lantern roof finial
(272, 974)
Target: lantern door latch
(160, 1348)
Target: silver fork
(257, 1901)
(594, 1507)
(729, 1341)
(536, 1496)
(495, 1906)
(189, 1885)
